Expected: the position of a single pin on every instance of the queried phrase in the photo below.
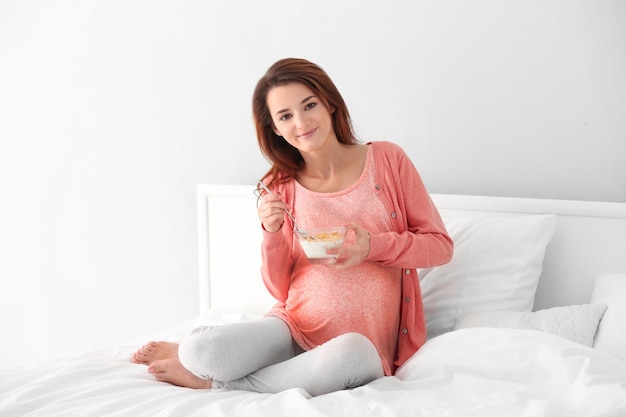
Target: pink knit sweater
(418, 240)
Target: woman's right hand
(271, 212)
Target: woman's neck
(332, 169)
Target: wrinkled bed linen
(471, 372)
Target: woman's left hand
(354, 254)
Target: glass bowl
(315, 243)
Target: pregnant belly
(325, 303)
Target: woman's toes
(140, 357)
(153, 351)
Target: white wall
(112, 111)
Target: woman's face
(300, 117)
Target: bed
(526, 320)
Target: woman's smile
(308, 133)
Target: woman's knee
(229, 352)
(357, 355)
(204, 351)
(355, 344)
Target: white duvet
(471, 372)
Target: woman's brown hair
(285, 159)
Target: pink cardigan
(419, 240)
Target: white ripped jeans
(261, 356)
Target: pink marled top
(324, 303)
(417, 239)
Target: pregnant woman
(335, 325)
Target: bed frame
(590, 240)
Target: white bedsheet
(471, 372)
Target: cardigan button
(393, 215)
(407, 299)
(407, 272)
(378, 186)
(405, 330)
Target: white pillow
(577, 323)
(496, 266)
(610, 289)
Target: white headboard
(590, 239)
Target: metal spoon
(293, 220)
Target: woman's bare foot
(172, 371)
(155, 351)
